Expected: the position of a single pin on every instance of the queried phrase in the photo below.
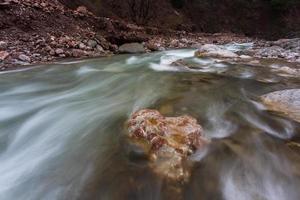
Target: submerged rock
(211, 50)
(168, 141)
(286, 102)
(132, 48)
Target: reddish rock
(167, 140)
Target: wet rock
(211, 50)
(132, 48)
(24, 58)
(3, 55)
(286, 102)
(168, 141)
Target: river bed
(62, 129)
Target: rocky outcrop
(286, 102)
(168, 141)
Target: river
(62, 129)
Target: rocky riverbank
(42, 31)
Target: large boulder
(168, 141)
(132, 48)
(211, 50)
(286, 102)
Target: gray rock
(77, 53)
(59, 51)
(211, 50)
(24, 58)
(286, 102)
(3, 45)
(245, 57)
(132, 48)
(271, 52)
(82, 46)
(99, 48)
(52, 52)
(92, 43)
(36, 55)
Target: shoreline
(65, 33)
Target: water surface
(62, 129)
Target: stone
(271, 52)
(168, 141)
(77, 53)
(92, 43)
(3, 45)
(82, 9)
(289, 71)
(286, 102)
(212, 50)
(5, 3)
(132, 48)
(59, 51)
(3, 55)
(245, 57)
(24, 58)
(153, 46)
(52, 52)
(82, 46)
(99, 48)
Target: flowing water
(62, 129)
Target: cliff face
(263, 18)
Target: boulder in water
(286, 102)
(212, 50)
(168, 141)
(132, 48)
